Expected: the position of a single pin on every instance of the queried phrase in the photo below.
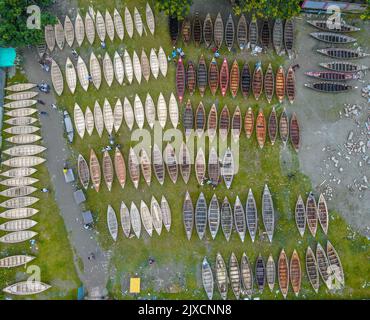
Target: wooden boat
(149, 110)
(79, 120)
(295, 273)
(331, 75)
(344, 66)
(162, 110)
(335, 263)
(246, 274)
(234, 79)
(251, 215)
(95, 71)
(214, 216)
(79, 29)
(24, 150)
(146, 167)
(269, 83)
(125, 219)
(22, 112)
(24, 138)
(120, 167)
(200, 119)
(22, 121)
(242, 32)
(129, 70)
(268, 215)
(83, 73)
(162, 60)
(56, 78)
(188, 119)
(221, 276)
(166, 213)
(71, 76)
(278, 36)
(300, 216)
(20, 162)
(50, 37)
(265, 35)
(18, 213)
(89, 121)
(234, 275)
(283, 273)
(236, 124)
(208, 31)
(270, 272)
(212, 123)
(17, 237)
(89, 28)
(253, 33)
(289, 37)
(207, 278)
(109, 25)
(41, 49)
(154, 63)
(117, 115)
(260, 273)
(24, 95)
(312, 269)
(200, 166)
(138, 22)
(145, 65)
(112, 222)
(26, 288)
(273, 126)
(226, 219)
(155, 211)
(149, 17)
(343, 53)
(330, 87)
(191, 77)
(331, 37)
(137, 67)
(171, 162)
(227, 169)
(108, 69)
(98, 118)
(280, 84)
(186, 31)
(118, 24)
(188, 215)
(108, 170)
(135, 220)
(323, 25)
(284, 127)
(146, 218)
(294, 132)
(180, 80)
(83, 171)
(311, 213)
(239, 219)
(100, 26)
(249, 123)
(214, 167)
(95, 172)
(213, 76)
(18, 181)
(322, 213)
(173, 110)
(173, 24)
(245, 82)
(108, 117)
(128, 113)
(261, 129)
(18, 172)
(119, 70)
(21, 129)
(324, 267)
(229, 32)
(202, 75)
(69, 31)
(224, 124)
(185, 162)
(15, 261)
(139, 112)
(129, 23)
(218, 31)
(18, 191)
(197, 29)
(257, 82)
(59, 34)
(17, 104)
(134, 168)
(224, 77)
(158, 164)
(201, 216)
(18, 202)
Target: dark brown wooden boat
(270, 272)
(257, 82)
(201, 216)
(188, 215)
(249, 122)
(95, 171)
(158, 164)
(208, 31)
(269, 83)
(280, 84)
(332, 37)
(83, 171)
(108, 171)
(323, 25)
(245, 83)
(312, 269)
(284, 127)
(174, 29)
(246, 275)
(343, 66)
(283, 273)
(213, 76)
(265, 35)
(335, 263)
(120, 167)
(171, 162)
(251, 215)
(278, 36)
(226, 218)
(234, 79)
(242, 32)
(329, 87)
(323, 214)
(180, 79)
(200, 166)
(191, 76)
(260, 273)
(295, 273)
(186, 31)
(213, 167)
(343, 53)
(325, 269)
(311, 213)
(331, 75)
(202, 76)
(218, 35)
(200, 119)
(224, 77)
(214, 216)
(188, 119)
(253, 33)
(229, 32)
(294, 132)
(290, 85)
(146, 168)
(261, 129)
(212, 123)
(289, 37)
(185, 162)
(134, 167)
(197, 29)
(273, 126)
(234, 275)
(224, 124)
(300, 216)
(236, 124)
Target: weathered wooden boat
(234, 79)
(21, 112)
(207, 278)
(125, 219)
(146, 218)
(108, 170)
(95, 171)
(59, 34)
(15, 261)
(100, 26)
(69, 31)
(156, 213)
(145, 65)
(18, 104)
(162, 110)
(180, 80)
(300, 216)
(18, 191)
(109, 25)
(18, 202)
(343, 66)
(108, 117)
(324, 267)
(224, 77)
(149, 17)
(270, 272)
(89, 28)
(191, 77)
(188, 215)
(212, 123)
(26, 288)
(18, 213)
(22, 121)
(56, 78)
(129, 23)
(253, 33)
(197, 29)
(79, 30)
(83, 171)
(331, 37)
(173, 24)
(224, 124)
(171, 162)
(284, 127)
(200, 166)
(22, 129)
(251, 215)
(20, 162)
(134, 168)
(137, 67)
(200, 119)
(202, 75)
(162, 60)
(246, 274)
(289, 37)
(98, 119)
(290, 85)
(229, 32)
(79, 120)
(185, 162)
(283, 273)
(343, 53)
(214, 216)
(24, 150)
(330, 87)
(213, 167)
(120, 167)
(119, 70)
(139, 112)
(21, 87)
(295, 273)
(118, 24)
(71, 76)
(218, 35)
(324, 25)
(108, 69)
(312, 269)
(18, 172)
(154, 63)
(269, 83)
(213, 76)
(265, 35)
(83, 73)
(117, 115)
(158, 164)
(273, 126)
(128, 113)
(221, 276)
(186, 30)
(257, 82)
(335, 263)
(261, 129)
(23, 138)
(129, 70)
(17, 237)
(260, 272)
(112, 222)
(322, 213)
(311, 213)
(188, 120)
(50, 37)
(95, 71)
(135, 220)
(226, 218)
(236, 124)
(146, 167)
(239, 219)
(234, 275)
(208, 31)
(242, 32)
(18, 181)
(166, 213)
(278, 36)
(268, 214)
(294, 132)
(331, 75)
(23, 95)
(245, 82)
(150, 110)
(201, 216)
(227, 169)
(249, 122)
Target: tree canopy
(174, 8)
(366, 14)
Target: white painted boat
(95, 70)
(50, 37)
(26, 288)
(20, 87)
(166, 213)
(137, 66)
(19, 181)
(135, 220)
(150, 20)
(139, 112)
(108, 69)
(138, 22)
(71, 76)
(23, 95)
(145, 65)
(173, 109)
(79, 30)
(98, 118)
(23, 138)
(129, 71)
(18, 236)
(100, 26)
(21, 121)
(69, 31)
(119, 70)
(18, 162)
(15, 261)
(17, 225)
(162, 59)
(129, 24)
(125, 219)
(20, 104)
(112, 223)
(24, 150)
(150, 110)
(162, 110)
(118, 24)
(59, 34)
(109, 25)
(128, 113)
(18, 191)
(18, 213)
(154, 63)
(108, 116)
(79, 120)
(19, 202)
(18, 172)
(156, 213)
(146, 218)
(83, 73)
(22, 112)
(89, 28)
(89, 121)
(56, 78)
(117, 115)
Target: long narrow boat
(158, 164)
(95, 71)
(269, 83)
(208, 31)
(117, 115)
(322, 213)
(171, 162)
(324, 25)
(335, 263)
(134, 167)
(224, 77)
(312, 269)
(229, 32)
(71, 75)
(15, 261)
(278, 36)
(214, 216)
(112, 223)
(20, 162)
(249, 123)
(257, 82)
(331, 75)
(129, 23)
(270, 272)
(191, 77)
(200, 119)
(56, 78)
(135, 220)
(79, 30)
(125, 219)
(202, 75)
(226, 218)
(284, 127)
(59, 34)
(273, 126)
(145, 65)
(108, 69)
(162, 110)
(343, 53)
(201, 216)
(109, 25)
(18, 236)
(213, 167)
(260, 273)
(218, 34)
(22, 129)
(185, 162)
(22, 112)
(83, 73)
(331, 37)
(186, 30)
(21, 191)
(118, 24)
(268, 215)
(239, 219)
(162, 60)
(129, 70)
(146, 218)
(120, 167)
(18, 213)
(246, 274)
(213, 76)
(253, 33)
(207, 278)
(212, 123)
(50, 37)
(289, 37)
(242, 32)
(245, 83)
(26, 288)
(156, 213)
(79, 120)
(17, 104)
(139, 112)
(295, 273)
(227, 169)
(224, 124)
(150, 110)
(330, 87)
(83, 171)
(290, 85)
(197, 29)
(236, 124)
(18, 181)
(265, 35)
(188, 120)
(69, 31)
(95, 172)
(283, 273)
(261, 129)
(18, 202)
(180, 80)
(200, 166)
(98, 118)
(119, 69)
(311, 213)
(149, 17)
(294, 132)
(234, 275)
(18, 172)
(343, 66)
(173, 24)
(100, 26)
(234, 79)
(108, 117)
(23, 121)
(188, 215)
(221, 276)
(128, 113)
(146, 167)
(300, 216)
(166, 213)
(137, 67)
(251, 215)
(108, 170)
(324, 267)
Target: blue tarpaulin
(80, 293)
(7, 57)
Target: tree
(13, 22)
(174, 8)
(366, 15)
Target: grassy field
(176, 272)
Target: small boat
(208, 31)
(180, 80)
(89, 28)
(191, 77)
(249, 123)
(156, 212)
(239, 219)
(221, 276)
(56, 78)
(71, 75)
(89, 120)
(18, 213)
(21, 112)
(109, 25)
(149, 17)
(295, 273)
(234, 79)
(120, 167)
(269, 83)
(117, 115)
(69, 32)
(135, 220)
(145, 65)
(50, 37)
(213, 167)
(146, 218)
(324, 267)
(134, 168)
(20, 162)
(289, 37)
(18, 236)
(162, 110)
(18, 172)
(253, 33)
(278, 36)
(83, 73)
(98, 119)
(335, 263)
(18, 191)
(139, 112)
(331, 75)
(112, 223)
(270, 272)
(158, 164)
(265, 35)
(16, 260)
(324, 25)
(273, 126)
(138, 22)
(129, 23)
(284, 127)
(261, 129)
(311, 213)
(251, 215)
(173, 24)
(283, 273)
(119, 69)
(24, 150)
(162, 60)
(246, 274)
(108, 170)
(137, 67)
(17, 104)
(188, 215)
(234, 275)
(330, 87)
(300, 216)
(343, 53)
(129, 69)
(312, 269)
(290, 85)
(224, 77)
(95, 71)
(23, 138)
(26, 288)
(125, 219)
(212, 123)
(184, 162)
(202, 75)
(108, 117)
(146, 167)
(294, 132)
(79, 120)
(331, 37)
(242, 32)
(150, 110)
(18, 202)
(201, 216)
(245, 83)
(186, 31)
(128, 113)
(95, 172)
(79, 30)
(20, 121)
(214, 216)
(236, 124)
(257, 82)
(21, 87)
(100, 26)
(200, 119)
(322, 213)
(83, 171)
(188, 120)
(260, 273)
(226, 218)
(200, 166)
(268, 215)
(224, 124)
(227, 169)
(343, 66)
(118, 24)
(22, 129)
(171, 162)
(18, 181)
(207, 278)
(218, 34)
(197, 29)
(229, 32)
(166, 213)
(213, 76)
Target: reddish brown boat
(191, 77)
(284, 127)
(295, 132)
(146, 168)
(171, 162)
(180, 80)
(224, 77)
(197, 29)
(83, 171)
(186, 31)
(120, 167)
(108, 171)
(212, 123)
(224, 124)
(213, 76)
(257, 82)
(283, 273)
(311, 213)
(188, 119)
(158, 164)
(249, 122)
(134, 167)
(185, 162)
(234, 79)
(95, 171)
(200, 120)
(269, 83)
(236, 124)
(290, 85)
(261, 129)
(295, 272)
(245, 83)
(202, 76)
(280, 84)
(273, 126)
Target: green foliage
(13, 26)
(179, 8)
(366, 15)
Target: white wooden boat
(24, 150)
(95, 70)
(162, 110)
(150, 20)
(19, 181)
(22, 112)
(112, 223)
(129, 24)
(128, 113)
(138, 22)
(89, 28)
(146, 218)
(119, 70)
(18, 191)
(156, 213)
(108, 69)
(17, 225)
(125, 219)
(24, 95)
(56, 78)
(117, 115)
(166, 213)
(118, 24)
(18, 236)
(83, 73)
(129, 71)
(135, 220)
(50, 37)
(22, 121)
(79, 30)
(18, 213)
(145, 65)
(71, 76)
(23, 138)
(162, 59)
(79, 120)
(109, 25)
(17, 162)
(139, 112)
(89, 121)
(98, 118)
(15, 261)
(108, 116)
(18, 172)
(154, 63)
(21, 129)
(26, 288)
(100, 26)
(20, 87)
(150, 110)
(137, 66)
(69, 31)
(20, 104)
(59, 34)
(173, 109)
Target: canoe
(268, 215)
(23, 121)
(139, 112)
(19, 162)
(173, 25)
(208, 31)
(343, 66)
(294, 132)
(270, 272)
(200, 119)
(129, 23)
(283, 273)
(224, 77)
(15, 261)
(214, 216)
(108, 70)
(137, 66)
(188, 120)
(229, 32)
(18, 172)
(89, 28)
(79, 120)
(324, 267)
(202, 75)
(290, 85)
(50, 37)
(112, 223)
(171, 162)
(108, 170)
(26, 288)
(207, 278)
(18, 191)
(289, 37)
(188, 215)
(98, 118)
(273, 126)
(330, 76)
(236, 124)
(200, 166)
(335, 263)
(120, 167)
(21, 129)
(312, 269)
(17, 104)
(245, 83)
(71, 76)
(212, 123)
(59, 34)
(19, 202)
(311, 213)
(295, 273)
(129, 70)
(79, 29)
(156, 213)
(226, 219)
(343, 53)
(149, 110)
(213, 76)
(154, 63)
(166, 213)
(234, 79)
(162, 110)
(186, 31)
(149, 17)
(18, 181)
(83, 171)
(251, 215)
(56, 78)
(213, 167)
(100, 26)
(162, 60)
(239, 219)
(18, 225)
(261, 129)
(253, 33)
(158, 164)
(24, 95)
(257, 82)
(300, 216)
(173, 110)
(83, 73)
(95, 70)
(128, 113)
(135, 220)
(118, 24)
(278, 36)
(17, 237)
(69, 31)
(24, 138)
(227, 169)
(331, 37)
(280, 84)
(117, 115)
(322, 213)
(185, 162)
(218, 35)
(323, 25)
(145, 65)
(265, 35)
(138, 22)
(146, 167)
(18, 213)
(284, 127)
(95, 172)
(201, 216)
(269, 83)
(108, 116)
(125, 219)
(242, 33)
(197, 29)
(119, 69)
(191, 77)
(109, 25)
(180, 80)
(234, 275)
(246, 274)
(134, 168)
(330, 87)
(221, 276)
(22, 112)
(24, 150)
(260, 272)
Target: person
(44, 190)
(174, 53)
(54, 106)
(103, 45)
(40, 102)
(90, 78)
(217, 54)
(43, 113)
